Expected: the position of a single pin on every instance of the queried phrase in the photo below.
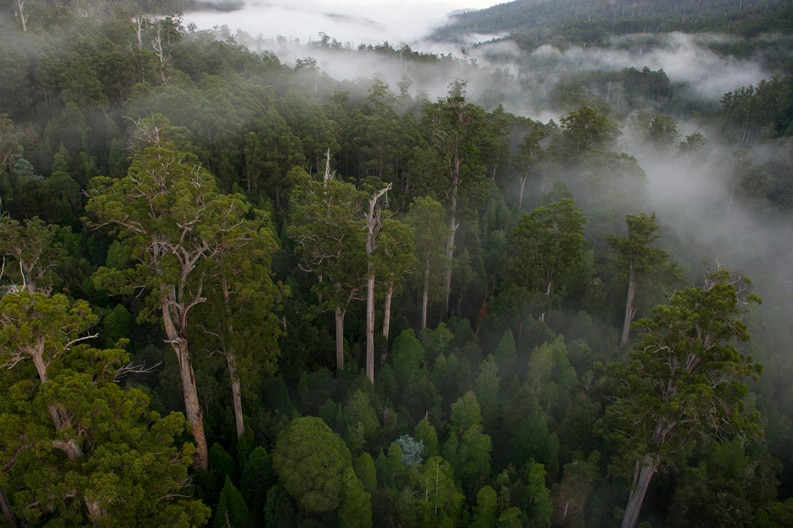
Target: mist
(348, 21)
(696, 201)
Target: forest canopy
(238, 291)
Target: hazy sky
(354, 21)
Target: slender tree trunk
(72, 450)
(192, 406)
(387, 311)
(425, 296)
(236, 393)
(642, 476)
(8, 515)
(370, 327)
(339, 338)
(523, 179)
(630, 311)
(23, 18)
(231, 361)
(373, 226)
(453, 225)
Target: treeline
(532, 23)
(240, 293)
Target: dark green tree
(684, 380)
(326, 223)
(545, 246)
(176, 224)
(636, 258)
(427, 219)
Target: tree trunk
(387, 311)
(192, 406)
(453, 225)
(373, 226)
(642, 477)
(8, 515)
(231, 361)
(370, 327)
(520, 195)
(425, 296)
(236, 393)
(630, 311)
(189, 390)
(23, 18)
(339, 338)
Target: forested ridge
(240, 292)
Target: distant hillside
(534, 22)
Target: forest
(238, 291)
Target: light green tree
(76, 445)
(311, 461)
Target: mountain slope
(533, 22)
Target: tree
(33, 252)
(587, 128)
(231, 509)
(176, 224)
(456, 126)
(426, 217)
(311, 461)
(636, 258)
(530, 154)
(239, 320)
(325, 223)
(77, 447)
(374, 223)
(395, 258)
(657, 129)
(684, 380)
(545, 247)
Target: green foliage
(91, 451)
(360, 421)
(486, 508)
(258, 477)
(588, 129)
(231, 509)
(545, 246)
(685, 378)
(364, 468)
(311, 462)
(355, 507)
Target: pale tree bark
(387, 310)
(19, 7)
(453, 225)
(192, 406)
(339, 313)
(231, 362)
(373, 225)
(370, 327)
(236, 394)
(425, 295)
(642, 476)
(630, 310)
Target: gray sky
(354, 21)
